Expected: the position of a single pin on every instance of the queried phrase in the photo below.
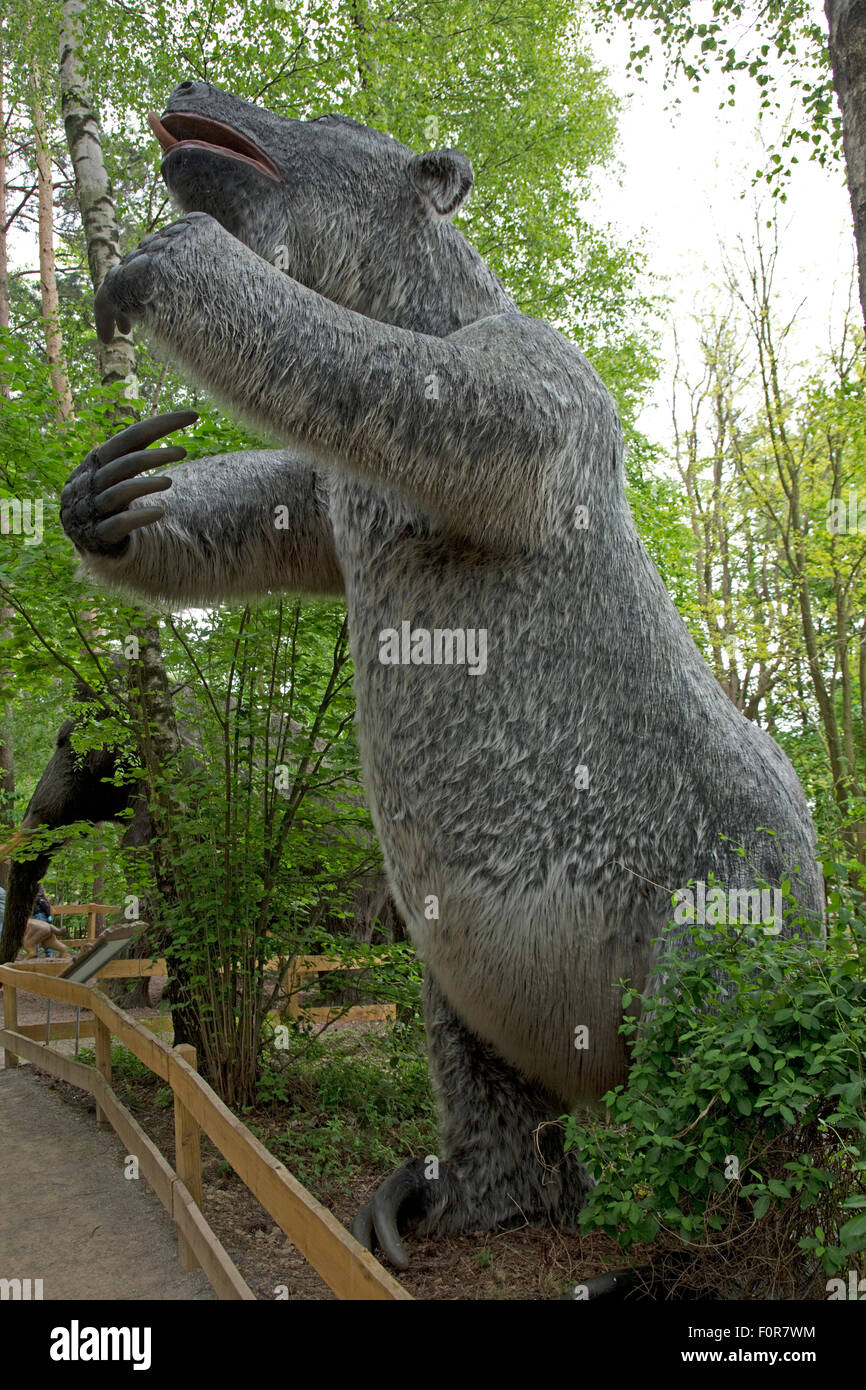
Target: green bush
(355, 1100)
(740, 1135)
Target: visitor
(42, 911)
(41, 907)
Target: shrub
(737, 1147)
(356, 1100)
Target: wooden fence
(90, 910)
(346, 1267)
(304, 971)
(87, 1027)
(299, 973)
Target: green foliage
(389, 973)
(786, 37)
(124, 1064)
(262, 835)
(744, 1116)
(762, 542)
(507, 81)
(354, 1101)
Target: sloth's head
(344, 209)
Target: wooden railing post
(187, 1155)
(103, 1064)
(10, 1020)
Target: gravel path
(68, 1216)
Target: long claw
(103, 315)
(379, 1220)
(123, 493)
(106, 309)
(144, 433)
(388, 1236)
(362, 1226)
(117, 528)
(128, 465)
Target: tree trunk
(4, 263)
(7, 766)
(148, 683)
(98, 886)
(93, 189)
(160, 746)
(847, 24)
(47, 264)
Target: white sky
(683, 171)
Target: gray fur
(218, 539)
(456, 512)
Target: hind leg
(501, 1160)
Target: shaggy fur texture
(442, 444)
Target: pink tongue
(165, 138)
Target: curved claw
(105, 314)
(378, 1221)
(117, 528)
(96, 499)
(129, 465)
(144, 433)
(116, 498)
(362, 1227)
(109, 308)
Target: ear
(442, 177)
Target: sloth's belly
(537, 979)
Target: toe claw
(393, 1249)
(380, 1220)
(362, 1226)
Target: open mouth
(183, 130)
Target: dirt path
(68, 1216)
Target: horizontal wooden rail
(346, 1267)
(114, 970)
(86, 1028)
(90, 910)
(303, 971)
(68, 909)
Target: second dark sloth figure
(451, 464)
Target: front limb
(477, 429)
(228, 526)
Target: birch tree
(93, 189)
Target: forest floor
(524, 1264)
